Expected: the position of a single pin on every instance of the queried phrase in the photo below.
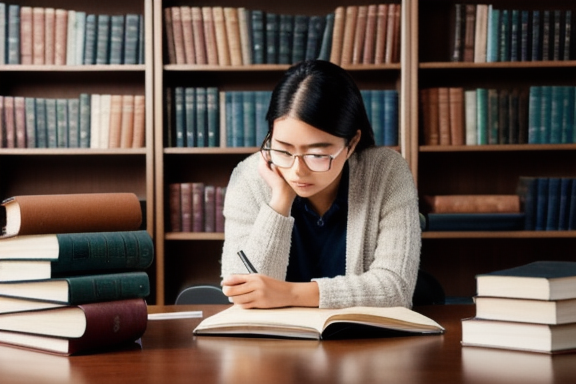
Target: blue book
(552, 212)
(90, 40)
(116, 39)
(73, 123)
(131, 39)
(546, 114)
(249, 118)
(568, 111)
(262, 103)
(534, 115)
(377, 115)
(326, 44)
(390, 123)
(541, 204)
(179, 117)
(493, 39)
(482, 115)
(212, 116)
(103, 39)
(258, 36)
(62, 123)
(201, 117)
(535, 30)
(558, 95)
(367, 101)
(237, 119)
(272, 26)
(190, 138)
(315, 31)
(285, 39)
(564, 204)
(572, 210)
(13, 35)
(527, 191)
(30, 112)
(299, 38)
(524, 35)
(84, 121)
(41, 124)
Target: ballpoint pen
(247, 262)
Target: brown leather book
(115, 121)
(370, 37)
(221, 36)
(233, 35)
(38, 20)
(103, 325)
(209, 36)
(60, 36)
(188, 35)
(469, 32)
(127, 121)
(139, 140)
(456, 105)
(70, 213)
(186, 206)
(178, 35)
(473, 203)
(429, 102)
(174, 198)
(26, 44)
(198, 33)
(338, 35)
(349, 32)
(397, 33)
(381, 29)
(49, 35)
(444, 115)
(391, 31)
(169, 34)
(360, 34)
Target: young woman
(326, 218)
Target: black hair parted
(325, 96)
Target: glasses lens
(281, 159)
(317, 163)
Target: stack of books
(72, 272)
(530, 307)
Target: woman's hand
(282, 194)
(260, 291)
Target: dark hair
(325, 96)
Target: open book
(314, 323)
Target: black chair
(202, 294)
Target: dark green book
(535, 34)
(90, 40)
(299, 38)
(482, 115)
(41, 124)
(272, 26)
(505, 35)
(179, 117)
(212, 115)
(190, 117)
(534, 115)
(82, 289)
(515, 35)
(558, 95)
(258, 36)
(73, 121)
(201, 117)
(285, 39)
(568, 117)
(545, 114)
(249, 118)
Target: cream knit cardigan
(382, 239)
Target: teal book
(30, 112)
(103, 39)
(131, 39)
(493, 39)
(515, 35)
(541, 204)
(568, 30)
(482, 115)
(546, 34)
(41, 124)
(534, 115)
(564, 204)
(141, 38)
(314, 40)
(535, 32)
(237, 120)
(84, 121)
(558, 95)
(73, 123)
(299, 38)
(179, 117)
(262, 99)
(327, 34)
(568, 116)
(80, 34)
(249, 118)
(212, 117)
(201, 117)
(390, 117)
(90, 40)
(82, 289)
(62, 123)
(546, 114)
(505, 35)
(190, 120)
(116, 39)
(13, 35)
(285, 39)
(552, 212)
(377, 115)
(258, 36)
(52, 123)
(493, 116)
(524, 35)
(272, 26)
(229, 119)
(527, 191)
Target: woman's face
(299, 138)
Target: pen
(247, 262)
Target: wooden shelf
(194, 236)
(72, 68)
(499, 235)
(497, 65)
(497, 148)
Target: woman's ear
(355, 140)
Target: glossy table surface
(170, 354)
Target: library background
(164, 98)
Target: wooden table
(170, 354)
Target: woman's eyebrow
(308, 146)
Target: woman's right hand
(282, 193)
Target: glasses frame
(268, 157)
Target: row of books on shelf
(46, 36)
(539, 204)
(95, 121)
(196, 207)
(365, 34)
(530, 307)
(206, 117)
(73, 272)
(484, 33)
(458, 116)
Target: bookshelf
(193, 258)
(83, 170)
(456, 257)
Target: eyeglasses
(314, 162)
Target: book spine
(30, 112)
(198, 207)
(107, 287)
(212, 116)
(116, 39)
(174, 205)
(272, 28)
(73, 123)
(201, 117)
(13, 35)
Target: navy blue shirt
(318, 246)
